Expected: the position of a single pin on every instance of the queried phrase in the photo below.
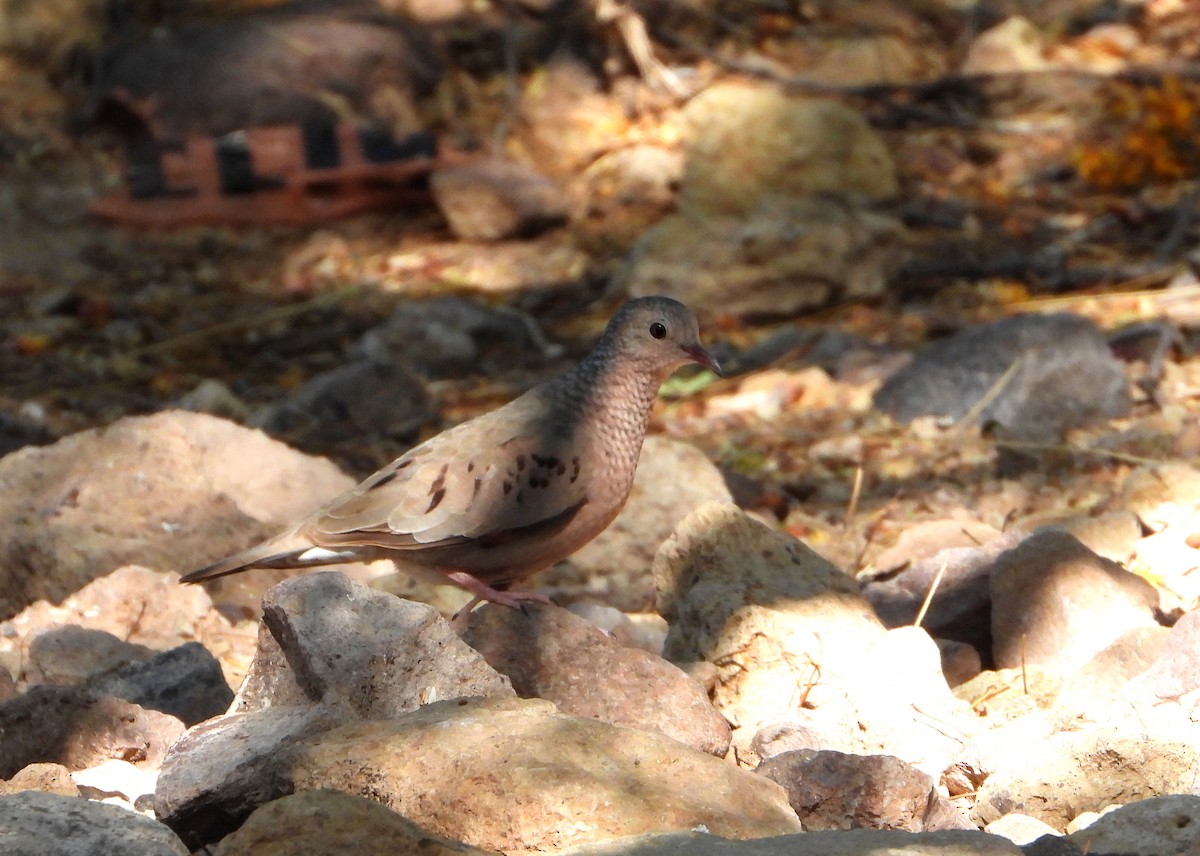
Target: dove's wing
(513, 472)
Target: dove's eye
(658, 330)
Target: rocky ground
(858, 601)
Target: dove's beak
(698, 354)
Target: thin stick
(987, 398)
(855, 493)
(933, 587)
(280, 314)
(1123, 457)
(1024, 677)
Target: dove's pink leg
(483, 591)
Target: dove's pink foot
(483, 591)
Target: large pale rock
(133, 604)
(1012, 46)
(746, 141)
(318, 823)
(851, 842)
(552, 654)
(563, 119)
(1020, 828)
(771, 614)
(1057, 604)
(370, 654)
(1060, 777)
(1174, 676)
(516, 775)
(1159, 826)
(1091, 691)
(47, 777)
(617, 563)
(494, 198)
(72, 727)
(1162, 495)
(171, 491)
(53, 825)
(782, 257)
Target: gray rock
(1057, 604)
(32, 822)
(185, 682)
(221, 770)
(270, 681)
(449, 337)
(549, 653)
(961, 606)
(617, 564)
(960, 662)
(1065, 377)
(70, 654)
(77, 729)
(368, 653)
(1159, 826)
(493, 199)
(851, 842)
(345, 403)
(834, 790)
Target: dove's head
(659, 334)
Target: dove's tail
(265, 556)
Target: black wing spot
(478, 485)
(436, 500)
(388, 479)
(507, 486)
(439, 483)
(520, 462)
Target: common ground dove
(502, 496)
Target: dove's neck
(608, 401)
(615, 389)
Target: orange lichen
(1149, 135)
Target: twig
(1123, 457)
(855, 493)
(321, 301)
(986, 399)
(933, 587)
(1024, 677)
